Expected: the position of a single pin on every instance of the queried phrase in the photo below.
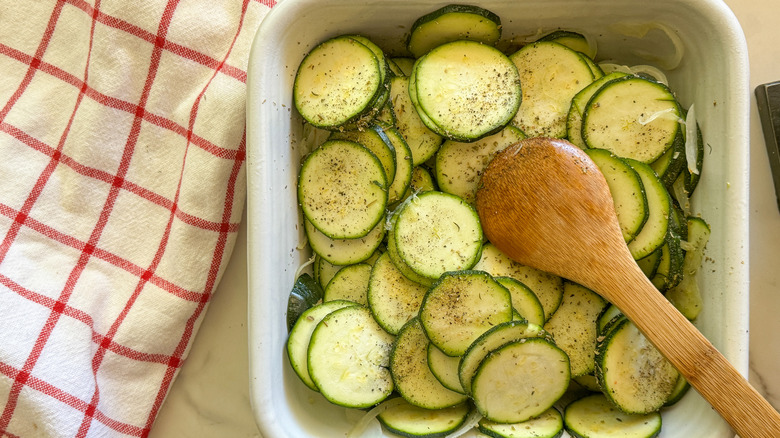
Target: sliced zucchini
(401, 65)
(344, 251)
(392, 298)
(573, 326)
(686, 296)
(594, 416)
(632, 372)
(342, 189)
(653, 233)
(349, 358)
(627, 190)
(607, 316)
(650, 263)
(670, 267)
(573, 40)
(547, 287)
(436, 232)
(421, 140)
(490, 340)
(520, 380)
(403, 163)
(408, 420)
(465, 90)
(547, 425)
(680, 389)
(411, 374)
(633, 117)
(452, 23)
(551, 74)
(300, 335)
(578, 103)
(460, 307)
(524, 300)
(374, 142)
(460, 165)
(324, 270)
(338, 82)
(350, 283)
(445, 368)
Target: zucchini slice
(490, 340)
(337, 82)
(633, 117)
(686, 296)
(520, 380)
(342, 189)
(300, 335)
(305, 293)
(627, 190)
(654, 231)
(403, 162)
(573, 326)
(465, 90)
(436, 232)
(551, 75)
(460, 307)
(350, 283)
(594, 416)
(374, 142)
(573, 40)
(524, 301)
(445, 368)
(343, 252)
(578, 103)
(412, 376)
(632, 372)
(408, 420)
(547, 425)
(451, 23)
(422, 142)
(547, 287)
(392, 298)
(460, 165)
(349, 358)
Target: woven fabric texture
(122, 185)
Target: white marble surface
(210, 398)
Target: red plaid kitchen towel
(122, 184)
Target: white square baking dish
(712, 74)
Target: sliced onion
(662, 113)
(691, 141)
(370, 416)
(609, 67)
(655, 72)
(639, 30)
(687, 246)
(303, 266)
(682, 197)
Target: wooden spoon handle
(705, 368)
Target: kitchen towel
(122, 185)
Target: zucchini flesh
(337, 82)
(392, 298)
(451, 23)
(573, 326)
(547, 425)
(489, 341)
(578, 103)
(686, 296)
(594, 416)
(467, 90)
(461, 306)
(520, 380)
(349, 358)
(445, 368)
(300, 335)
(412, 376)
(436, 232)
(632, 117)
(632, 372)
(551, 75)
(342, 189)
(343, 252)
(350, 283)
(423, 142)
(408, 420)
(460, 165)
(524, 301)
(654, 231)
(547, 287)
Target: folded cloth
(122, 184)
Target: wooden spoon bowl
(545, 204)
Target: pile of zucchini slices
(409, 311)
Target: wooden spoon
(545, 204)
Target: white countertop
(210, 397)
